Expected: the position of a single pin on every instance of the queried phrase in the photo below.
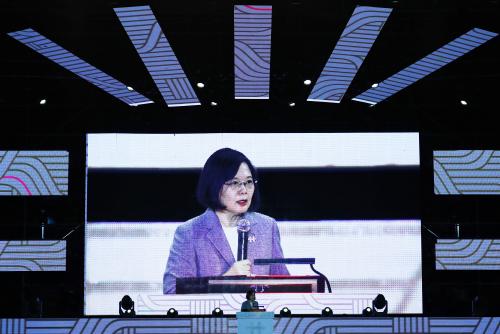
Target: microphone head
(243, 225)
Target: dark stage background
(304, 33)
(169, 195)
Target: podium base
(255, 322)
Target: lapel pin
(251, 237)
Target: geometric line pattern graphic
(468, 254)
(156, 53)
(403, 325)
(467, 172)
(84, 70)
(252, 51)
(33, 255)
(348, 55)
(26, 173)
(425, 66)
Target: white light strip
(263, 149)
(184, 104)
(251, 98)
(327, 101)
(364, 101)
(140, 103)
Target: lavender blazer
(200, 248)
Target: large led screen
(164, 215)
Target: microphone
(243, 228)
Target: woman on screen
(207, 245)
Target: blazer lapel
(217, 237)
(253, 251)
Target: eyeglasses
(236, 184)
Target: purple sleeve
(277, 269)
(182, 259)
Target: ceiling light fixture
(217, 312)
(43, 101)
(375, 85)
(327, 312)
(213, 103)
(126, 307)
(291, 104)
(307, 82)
(200, 85)
(463, 102)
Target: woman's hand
(239, 268)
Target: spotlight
(375, 85)
(43, 101)
(327, 312)
(367, 311)
(126, 307)
(463, 102)
(217, 312)
(200, 85)
(172, 313)
(307, 82)
(213, 103)
(291, 104)
(285, 312)
(130, 88)
(379, 305)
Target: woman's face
(236, 196)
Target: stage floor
(298, 324)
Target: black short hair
(221, 167)
(250, 292)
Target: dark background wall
(445, 293)
(304, 33)
(286, 193)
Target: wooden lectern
(255, 322)
(241, 284)
(260, 283)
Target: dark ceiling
(304, 34)
(201, 34)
